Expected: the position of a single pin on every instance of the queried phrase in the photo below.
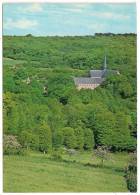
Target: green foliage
(125, 89)
(69, 137)
(60, 87)
(56, 155)
(29, 35)
(45, 138)
(38, 86)
(29, 139)
(123, 139)
(79, 136)
(131, 174)
(120, 84)
(112, 130)
(58, 138)
(88, 139)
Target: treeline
(96, 34)
(43, 108)
(115, 34)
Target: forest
(42, 109)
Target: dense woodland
(42, 106)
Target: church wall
(87, 86)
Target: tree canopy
(42, 106)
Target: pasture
(38, 173)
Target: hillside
(45, 112)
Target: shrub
(131, 174)
(71, 152)
(102, 152)
(56, 155)
(11, 145)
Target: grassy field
(11, 62)
(79, 173)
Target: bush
(102, 152)
(11, 145)
(131, 174)
(56, 155)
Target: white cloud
(110, 15)
(76, 7)
(32, 8)
(20, 23)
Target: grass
(37, 173)
(12, 62)
(116, 161)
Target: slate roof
(96, 76)
(96, 73)
(88, 80)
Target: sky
(68, 19)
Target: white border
(138, 94)
(138, 78)
(69, 1)
(1, 120)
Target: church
(95, 79)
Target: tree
(45, 138)
(88, 139)
(125, 89)
(112, 130)
(8, 104)
(29, 139)
(74, 115)
(13, 121)
(102, 152)
(79, 138)
(122, 139)
(29, 35)
(58, 138)
(104, 126)
(55, 114)
(69, 137)
(133, 126)
(60, 87)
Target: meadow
(79, 173)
